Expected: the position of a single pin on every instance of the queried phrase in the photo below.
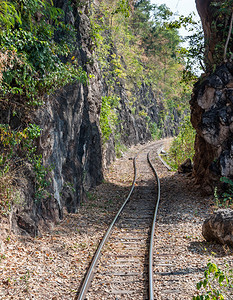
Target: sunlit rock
(219, 227)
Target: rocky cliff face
(70, 143)
(148, 99)
(71, 140)
(132, 127)
(212, 117)
(138, 122)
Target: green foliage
(196, 51)
(123, 8)
(108, 117)
(34, 66)
(193, 54)
(104, 122)
(8, 15)
(41, 182)
(36, 69)
(37, 16)
(228, 194)
(119, 149)
(216, 285)
(220, 40)
(155, 131)
(183, 145)
(224, 199)
(14, 143)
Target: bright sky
(182, 7)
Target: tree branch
(228, 39)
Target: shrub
(15, 144)
(224, 198)
(183, 145)
(216, 285)
(155, 131)
(108, 117)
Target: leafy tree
(217, 20)
(8, 15)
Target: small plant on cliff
(183, 145)
(155, 131)
(108, 116)
(119, 148)
(224, 198)
(7, 192)
(16, 144)
(216, 285)
(227, 196)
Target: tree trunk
(216, 30)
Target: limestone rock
(212, 117)
(71, 138)
(27, 224)
(219, 227)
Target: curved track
(125, 270)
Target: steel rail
(162, 160)
(151, 290)
(88, 277)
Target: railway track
(122, 267)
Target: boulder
(186, 166)
(27, 224)
(219, 227)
